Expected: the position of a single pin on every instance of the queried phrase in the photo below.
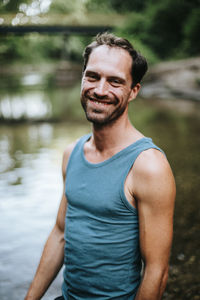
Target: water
(30, 192)
(31, 187)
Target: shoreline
(183, 106)
(178, 79)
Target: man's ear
(134, 92)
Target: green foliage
(159, 29)
(146, 51)
(75, 46)
(100, 6)
(67, 6)
(134, 39)
(11, 5)
(127, 5)
(191, 33)
(136, 23)
(35, 47)
(29, 48)
(169, 27)
(135, 30)
(165, 26)
(116, 5)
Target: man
(118, 194)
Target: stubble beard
(110, 118)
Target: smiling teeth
(98, 102)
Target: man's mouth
(99, 102)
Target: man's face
(106, 84)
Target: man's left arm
(154, 189)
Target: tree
(12, 6)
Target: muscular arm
(53, 254)
(154, 189)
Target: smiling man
(118, 197)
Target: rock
(175, 79)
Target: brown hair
(139, 63)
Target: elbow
(58, 233)
(163, 281)
(161, 274)
(164, 278)
(158, 271)
(157, 275)
(165, 274)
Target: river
(31, 181)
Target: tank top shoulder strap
(137, 148)
(147, 143)
(77, 148)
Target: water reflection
(30, 190)
(36, 96)
(32, 79)
(27, 106)
(24, 97)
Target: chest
(97, 191)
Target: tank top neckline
(115, 156)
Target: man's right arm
(53, 254)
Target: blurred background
(41, 44)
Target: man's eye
(91, 77)
(115, 82)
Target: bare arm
(53, 254)
(154, 189)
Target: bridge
(66, 24)
(54, 29)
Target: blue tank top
(102, 257)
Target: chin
(97, 121)
(103, 118)
(101, 121)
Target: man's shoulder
(151, 162)
(151, 176)
(66, 155)
(68, 150)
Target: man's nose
(101, 89)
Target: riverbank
(173, 80)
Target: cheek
(86, 86)
(83, 83)
(126, 93)
(119, 93)
(83, 89)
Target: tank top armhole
(122, 192)
(78, 143)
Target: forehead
(114, 59)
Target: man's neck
(114, 137)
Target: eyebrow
(88, 73)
